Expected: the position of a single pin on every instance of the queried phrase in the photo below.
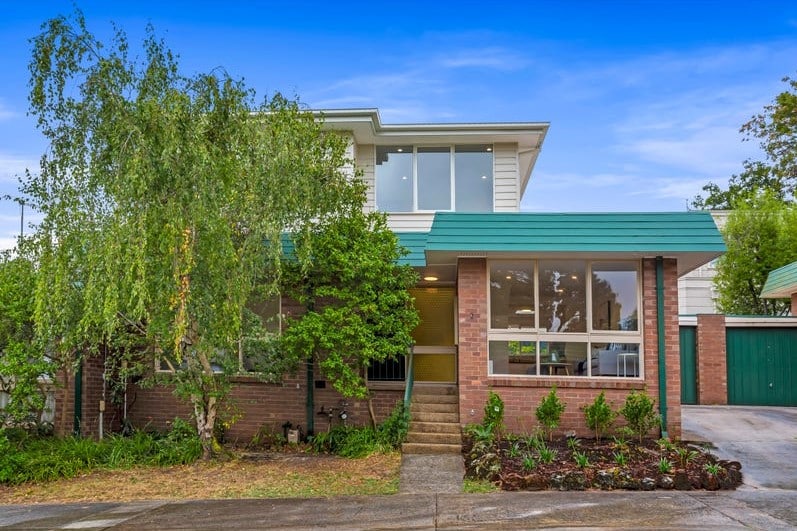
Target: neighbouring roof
(781, 283)
(690, 237)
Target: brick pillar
(794, 303)
(473, 349)
(712, 374)
(672, 347)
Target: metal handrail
(410, 380)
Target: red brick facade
(712, 372)
(794, 304)
(521, 395)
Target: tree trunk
(205, 408)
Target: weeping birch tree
(164, 199)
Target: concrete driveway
(763, 439)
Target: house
(510, 301)
(782, 284)
(696, 291)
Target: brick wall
(522, 395)
(712, 373)
(794, 304)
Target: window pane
(513, 357)
(615, 359)
(434, 178)
(473, 177)
(563, 359)
(394, 178)
(614, 296)
(512, 294)
(563, 296)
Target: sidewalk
(743, 509)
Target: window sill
(386, 386)
(565, 382)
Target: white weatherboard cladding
(364, 158)
(410, 221)
(506, 197)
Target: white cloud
(6, 113)
(493, 57)
(12, 166)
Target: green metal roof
(415, 243)
(781, 283)
(690, 237)
(657, 232)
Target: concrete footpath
(742, 509)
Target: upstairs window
(434, 178)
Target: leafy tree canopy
(359, 310)
(776, 130)
(158, 193)
(760, 237)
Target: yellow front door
(435, 351)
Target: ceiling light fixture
(430, 278)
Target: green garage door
(688, 365)
(762, 366)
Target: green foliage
(24, 369)
(621, 458)
(760, 237)
(47, 459)
(547, 455)
(686, 455)
(549, 412)
(393, 430)
(581, 459)
(665, 465)
(573, 443)
(164, 200)
(713, 468)
(478, 486)
(494, 414)
(529, 463)
(599, 416)
(359, 309)
(639, 413)
(776, 175)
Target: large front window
(434, 178)
(565, 318)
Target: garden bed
(534, 463)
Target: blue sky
(645, 99)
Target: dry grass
(270, 476)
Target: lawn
(272, 475)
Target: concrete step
(431, 416)
(434, 438)
(437, 390)
(436, 427)
(435, 399)
(422, 448)
(432, 407)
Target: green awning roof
(781, 283)
(691, 237)
(415, 243)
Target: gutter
(662, 345)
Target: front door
(435, 351)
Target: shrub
(494, 414)
(599, 416)
(393, 430)
(639, 413)
(549, 412)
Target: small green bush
(599, 416)
(640, 414)
(494, 414)
(393, 430)
(549, 412)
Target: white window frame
(539, 335)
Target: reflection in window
(512, 295)
(615, 359)
(563, 359)
(563, 295)
(394, 178)
(614, 296)
(434, 178)
(513, 357)
(473, 167)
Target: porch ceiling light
(524, 311)
(430, 278)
